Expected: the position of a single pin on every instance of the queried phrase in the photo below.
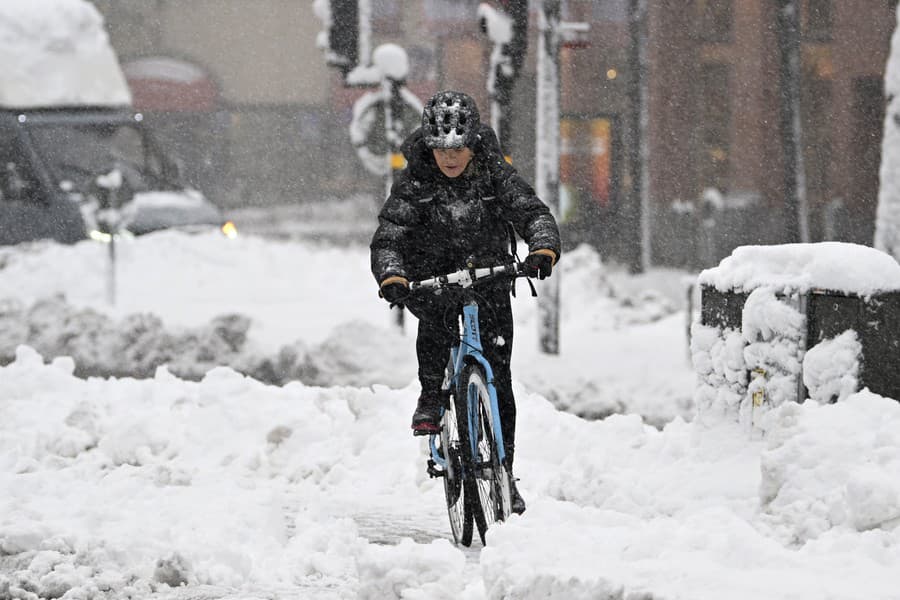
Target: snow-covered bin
(796, 321)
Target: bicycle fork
(437, 460)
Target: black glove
(538, 265)
(394, 289)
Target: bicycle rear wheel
(491, 478)
(459, 490)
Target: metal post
(390, 90)
(111, 282)
(639, 152)
(547, 156)
(788, 35)
(109, 221)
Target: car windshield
(78, 154)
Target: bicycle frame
(470, 348)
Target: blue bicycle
(468, 452)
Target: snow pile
(718, 358)
(774, 332)
(833, 468)
(56, 53)
(684, 513)
(792, 268)
(831, 368)
(127, 487)
(299, 310)
(135, 345)
(138, 344)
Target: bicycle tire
(458, 491)
(490, 476)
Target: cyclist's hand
(539, 263)
(394, 289)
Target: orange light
(230, 230)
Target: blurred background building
(242, 92)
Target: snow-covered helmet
(450, 120)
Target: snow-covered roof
(835, 266)
(56, 53)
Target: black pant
(438, 330)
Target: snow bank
(56, 53)
(710, 512)
(129, 487)
(774, 332)
(301, 310)
(831, 368)
(832, 468)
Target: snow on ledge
(56, 53)
(833, 266)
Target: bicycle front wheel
(458, 488)
(490, 475)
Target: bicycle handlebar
(467, 277)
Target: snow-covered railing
(794, 322)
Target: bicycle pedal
(433, 471)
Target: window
(386, 16)
(611, 10)
(865, 153)
(451, 11)
(422, 63)
(816, 107)
(17, 180)
(819, 20)
(76, 155)
(713, 159)
(715, 19)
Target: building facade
(275, 130)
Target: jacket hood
(420, 159)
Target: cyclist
(450, 207)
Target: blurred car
(54, 165)
(75, 158)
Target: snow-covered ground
(298, 309)
(122, 487)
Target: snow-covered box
(796, 321)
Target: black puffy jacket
(431, 224)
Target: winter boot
(516, 500)
(427, 418)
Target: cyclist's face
(452, 161)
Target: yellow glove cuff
(395, 279)
(546, 252)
